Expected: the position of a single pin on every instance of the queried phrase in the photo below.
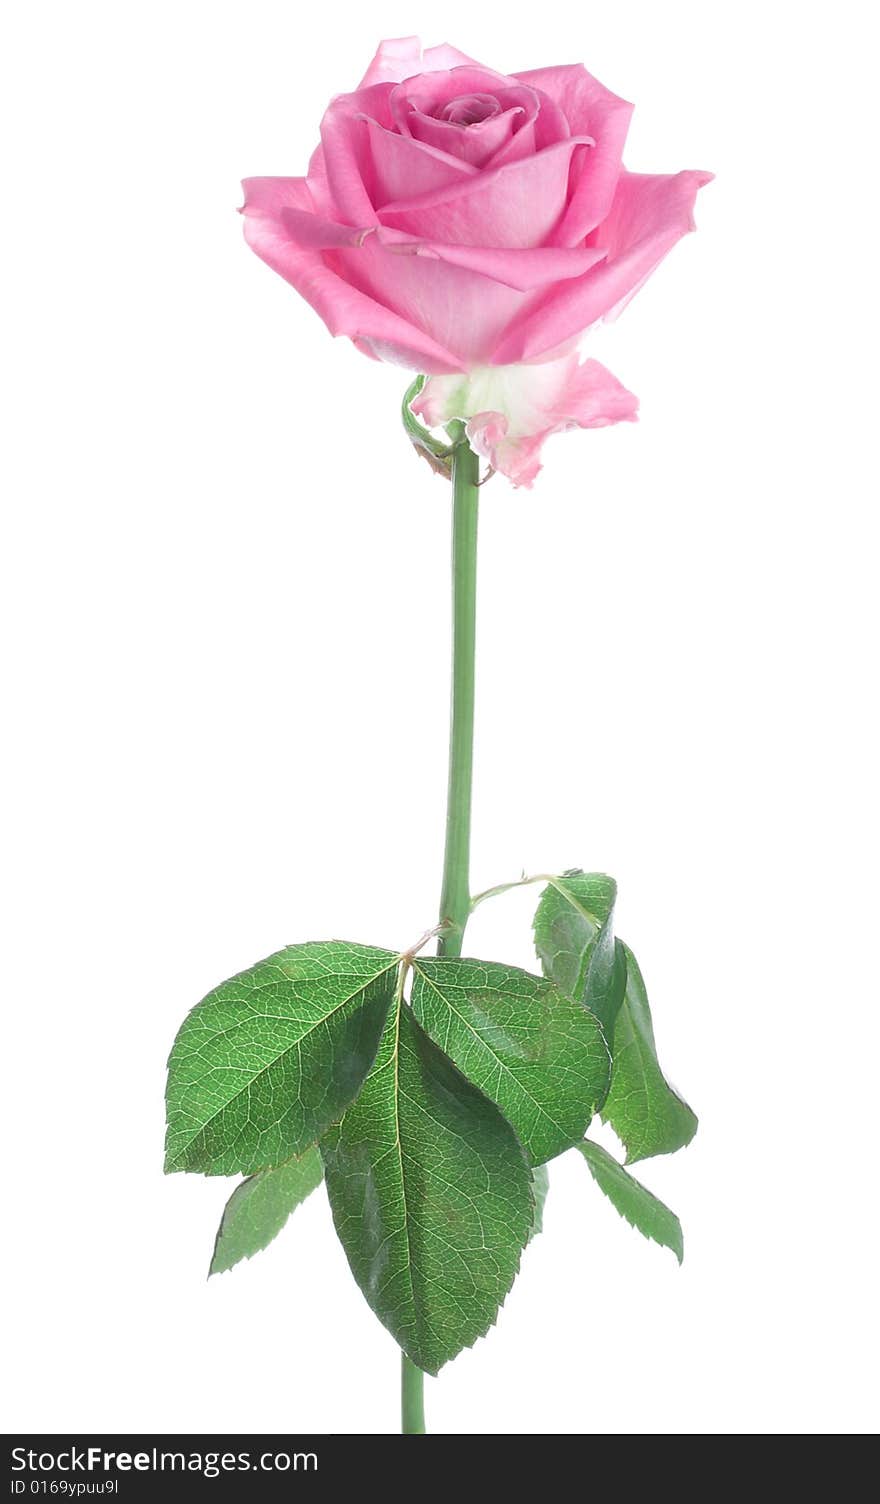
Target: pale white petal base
(510, 410)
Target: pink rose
(472, 226)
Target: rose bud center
(470, 109)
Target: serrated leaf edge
(170, 1167)
(503, 1066)
(649, 1238)
(634, 1159)
(480, 1335)
(212, 1272)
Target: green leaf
(258, 1208)
(632, 1200)
(540, 1188)
(574, 938)
(540, 1056)
(647, 1115)
(272, 1057)
(431, 1196)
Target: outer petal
(456, 300)
(591, 110)
(402, 57)
(459, 309)
(343, 307)
(523, 270)
(346, 161)
(510, 411)
(649, 215)
(518, 204)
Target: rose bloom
(472, 226)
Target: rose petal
(523, 143)
(523, 270)
(650, 213)
(540, 124)
(475, 144)
(457, 308)
(552, 124)
(347, 159)
(400, 162)
(401, 57)
(518, 204)
(319, 188)
(344, 308)
(420, 107)
(312, 232)
(591, 110)
(518, 459)
(510, 411)
(429, 92)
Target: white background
(226, 659)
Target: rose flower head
(472, 225)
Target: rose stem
(412, 1398)
(455, 897)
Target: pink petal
(344, 308)
(523, 270)
(312, 232)
(319, 188)
(552, 123)
(591, 110)
(270, 196)
(518, 204)
(648, 216)
(428, 92)
(591, 398)
(523, 143)
(421, 108)
(401, 57)
(518, 459)
(529, 404)
(475, 144)
(399, 162)
(457, 308)
(347, 160)
(456, 297)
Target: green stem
(412, 1392)
(455, 898)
